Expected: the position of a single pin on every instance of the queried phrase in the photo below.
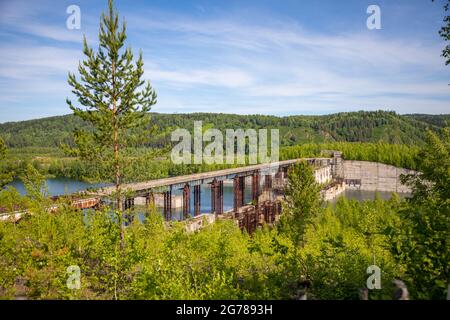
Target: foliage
(146, 164)
(219, 262)
(34, 184)
(158, 262)
(393, 154)
(302, 201)
(162, 261)
(363, 126)
(5, 175)
(116, 100)
(343, 241)
(424, 245)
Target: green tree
(424, 246)
(302, 201)
(5, 177)
(343, 241)
(34, 183)
(116, 101)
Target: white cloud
(226, 64)
(33, 62)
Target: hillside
(377, 126)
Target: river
(58, 186)
(362, 195)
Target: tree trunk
(116, 161)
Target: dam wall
(373, 176)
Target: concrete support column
(236, 193)
(220, 198)
(165, 205)
(197, 194)
(214, 191)
(255, 187)
(242, 190)
(239, 193)
(128, 203)
(268, 182)
(186, 201)
(217, 197)
(168, 205)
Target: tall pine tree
(116, 100)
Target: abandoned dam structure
(267, 183)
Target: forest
(373, 136)
(362, 126)
(330, 246)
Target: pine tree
(116, 100)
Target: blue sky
(247, 57)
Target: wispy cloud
(221, 77)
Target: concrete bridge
(264, 178)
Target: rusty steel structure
(186, 200)
(262, 209)
(262, 178)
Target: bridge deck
(203, 177)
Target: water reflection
(362, 195)
(205, 200)
(59, 186)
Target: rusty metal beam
(186, 201)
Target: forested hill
(350, 126)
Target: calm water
(368, 195)
(205, 199)
(62, 186)
(58, 186)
